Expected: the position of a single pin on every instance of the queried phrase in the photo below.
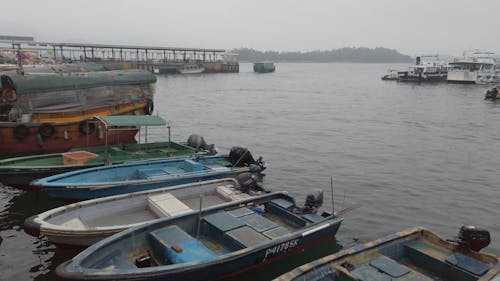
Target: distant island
(339, 55)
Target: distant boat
(390, 75)
(214, 243)
(20, 171)
(492, 94)
(138, 176)
(191, 69)
(414, 254)
(263, 67)
(84, 223)
(474, 68)
(428, 68)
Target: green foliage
(340, 55)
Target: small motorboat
(103, 181)
(492, 94)
(191, 69)
(414, 254)
(213, 243)
(391, 75)
(21, 171)
(86, 222)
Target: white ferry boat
(474, 68)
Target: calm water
(411, 154)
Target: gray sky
(411, 27)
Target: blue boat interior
(196, 237)
(409, 260)
(148, 171)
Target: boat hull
(219, 267)
(20, 172)
(65, 225)
(227, 267)
(67, 132)
(83, 193)
(417, 254)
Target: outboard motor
(491, 94)
(241, 157)
(314, 201)
(247, 183)
(198, 142)
(473, 238)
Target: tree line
(346, 54)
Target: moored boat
(414, 254)
(138, 176)
(474, 67)
(84, 223)
(264, 67)
(46, 112)
(214, 243)
(191, 69)
(427, 68)
(20, 171)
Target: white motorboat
(85, 223)
(474, 68)
(191, 69)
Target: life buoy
(148, 110)
(87, 128)
(21, 131)
(9, 95)
(46, 130)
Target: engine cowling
(474, 238)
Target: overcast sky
(411, 27)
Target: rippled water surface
(410, 154)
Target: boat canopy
(134, 120)
(40, 92)
(43, 82)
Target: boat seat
(467, 263)
(276, 232)
(167, 205)
(258, 222)
(240, 212)
(228, 192)
(281, 208)
(389, 266)
(245, 236)
(171, 244)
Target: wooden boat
(20, 171)
(264, 67)
(138, 176)
(414, 254)
(216, 242)
(46, 112)
(84, 223)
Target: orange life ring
(9, 95)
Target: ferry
(474, 68)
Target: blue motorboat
(139, 176)
(217, 242)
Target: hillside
(339, 55)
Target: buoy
(66, 135)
